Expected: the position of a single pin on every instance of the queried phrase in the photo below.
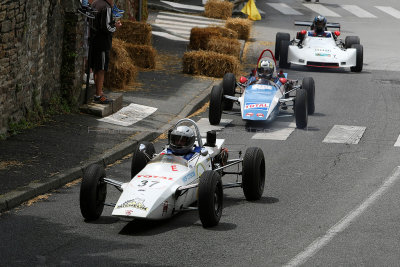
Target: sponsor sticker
(256, 105)
(322, 55)
(260, 115)
(262, 87)
(154, 176)
(249, 114)
(136, 203)
(188, 176)
(174, 168)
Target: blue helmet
(319, 23)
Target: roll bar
(199, 141)
(262, 53)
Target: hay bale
(143, 56)
(199, 37)
(218, 9)
(241, 26)
(121, 70)
(224, 45)
(134, 32)
(209, 63)
(225, 32)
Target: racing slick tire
(309, 85)
(359, 58)
(229, 86)
(210, 198)
(300, 109)
(215, 110)
(93, 192)
(253, 176)
(284, 52)
(139, 159)
(350, 40)
(280, 36)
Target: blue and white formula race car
(186, 172)
(324, 50)
(263, 94)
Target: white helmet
(181, 140)
(265, 69)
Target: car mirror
(142, 147)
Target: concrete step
(104, 110)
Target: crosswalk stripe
(177, 5)
(205, 126)
(168, 36)
(397, 142)
(172, 26)
(320, 9)
(187, 20)
(191, 25)
(279, 131)
(284, 9)
(198, 18)
(358, 11)
(389, 10)
(344, 134)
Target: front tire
(300, 108)
(215, 110)
(228, 86)
(93, 192)
(359, 58)
(210, 198)
(253, 177)
(350, 40)
(139, 160)
(309, 85)
(280, 36)
(284, 53)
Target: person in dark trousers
(101, 42)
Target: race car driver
(181, 142)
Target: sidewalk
(49, 156)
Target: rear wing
(310, 23)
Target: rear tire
(300, 109)
(350, 40)
(139, 160)
(210, 198)
(280, 36)
(309, 85)
(253, 177)
(284, 52)
(215, 110)
(359, 58)
(93, 192)
(229, 86)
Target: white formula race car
(325, 51)
(164, 184)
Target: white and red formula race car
(163, 184)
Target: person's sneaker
(102, 99)
(116, 15)
(116, 9)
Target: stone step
(103, 110)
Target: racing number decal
(146, 183)
(174, 168)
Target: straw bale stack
(218, 9)
(199, 37)
(134, 32)
(121, 71)
(241, 26)
(209, 63)
(224, 45)
(143, 56)
(225, 32)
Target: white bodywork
(323, 50)
(151, 193)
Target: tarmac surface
(55, 153)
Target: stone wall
(31, 49)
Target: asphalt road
(324, 204)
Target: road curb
(16, 197)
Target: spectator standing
(101, 42)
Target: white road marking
(284, 9)
(205, 126)
(169, 36)
(189, 25)
(199, 8)
(322, 241)
(344, 134)
(171, 26)
(320, 9)
(397, 142)
(129, 115)
(389, 10)
(278, 131)
(180, 19)
(190, 16)
(358, 11)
